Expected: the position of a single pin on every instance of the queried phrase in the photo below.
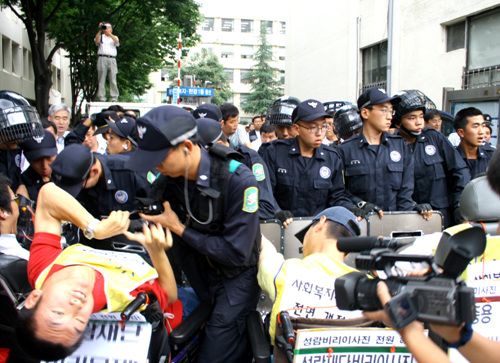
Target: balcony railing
(364, 87)
(482, 77)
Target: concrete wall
(324, 61)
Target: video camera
(437, 297)
(103, 25)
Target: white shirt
(107, 47)
(240, 137)
(10, 246)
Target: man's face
(436, 122)
(330, 134)
(268, 136)
(379, 117)
(61, 119)
(311, 133)
(174, 164)
(285, 132)
(230, 126)
(42, 166)
(413, 121)
(257, 123)
(14, 213)
(487, 134)
(90, 140)
(115, 144)
(473, 135)
(64, 311)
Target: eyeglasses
(315, 129)
(386, 111)
(435, 121)
(15, 199)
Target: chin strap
(412, 133)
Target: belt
(107, 56)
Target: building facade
(16, 63)
(232, 33)
(449, 50)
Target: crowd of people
(215, 180)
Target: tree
(148, 32)
(208, 71)
(263, 78)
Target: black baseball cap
(208, 110)
(38, 147)
(339, 215)
(375, 96)
(209, 132)
(72, 167)
(157, 131)
(102, 119)
(125, 128)
(309, 110)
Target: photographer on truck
(106, 42)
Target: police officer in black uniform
(305, 174)
(440, 172)
(18, 122)
(212, 212)
(378, 165)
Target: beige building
(231, 31)
(448, 49)
(16, 63)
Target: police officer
(440, 173)
(101, 183)
(347, 122)
(40, 154)
(212, 211)
(18, 122)
(306, 175)
(378, 165)
(469, 124)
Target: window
(244, 73)
(227, 51)
(208, 25)
(244, 97)
(283, 28)
(281, 53)
(227, 25)
(375, 65)
(246, 26)
(246, 52)
(455, 36)
(163, 97)
(17, 59)
(282, 77)
(229, 75)
(164, 75)
(269, 27)
(484, 42)
(6, 54)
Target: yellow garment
(122, 272)
(315, 273)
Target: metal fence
(482, 77)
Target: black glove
(283, 215)
(369, 207)
(424, 207)
(457, 216)
(358, 212)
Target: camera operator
(473, 346)
(106, 63)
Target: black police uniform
(118, 188)
(33, 182)
(267, 204)
(379, 174)
(219, 251)
(479, 165)
(10, 162)
(440, 173)
(305, 186)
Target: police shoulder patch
(151, 177)
(251, 200)
(258, 171)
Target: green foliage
(148, 31)
(208, 71)
(263, 78)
